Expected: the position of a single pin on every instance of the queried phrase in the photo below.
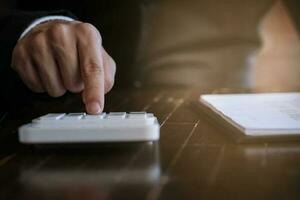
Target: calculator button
(137, 115)
(52, 116)
(74, 116)
(94, 117)
(116, 115)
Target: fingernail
(93, 108)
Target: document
(262, 114)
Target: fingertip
(93, 108)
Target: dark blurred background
(194, 43)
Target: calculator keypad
(83, 119)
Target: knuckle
(91, 69)
(33, 34)
(38, 38)
(58, 28)
(87, 29)
(57, 32)
(37, 43)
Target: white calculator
(83, 128)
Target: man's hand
(57, 56)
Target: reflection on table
(92, 178)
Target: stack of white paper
(267, 114)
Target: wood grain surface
(194, 158)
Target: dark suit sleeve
(13, 92)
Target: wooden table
(187, 43)
(194, 159)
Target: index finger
(91, 66)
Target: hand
(57, 56)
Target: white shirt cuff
(44, 19)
